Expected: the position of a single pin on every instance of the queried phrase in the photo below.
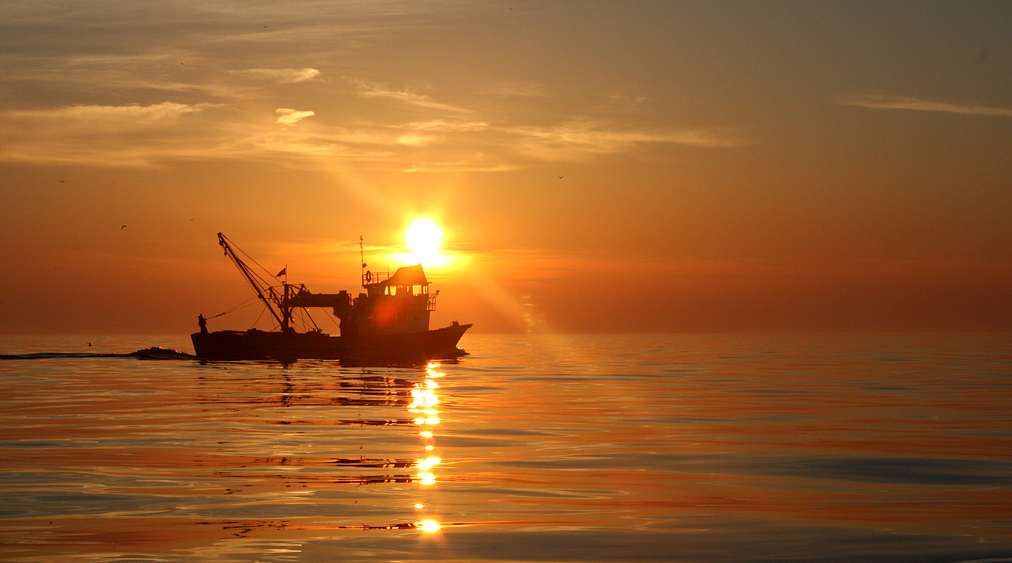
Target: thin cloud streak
(279, 75)
(441, 125)
(367, 90)
(289, 116)
(132, 115)
(513, 89)
(154, 74)
(579, 140)
(475, 164)
(141, 136)
(916, 104)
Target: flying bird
(561, 177)
(123, 227)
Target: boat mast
(361, 253)
(252, 279)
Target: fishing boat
(388, 324)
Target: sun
(424, 236)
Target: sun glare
(424, 236)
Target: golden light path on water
(424, 401)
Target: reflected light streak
(428, 525)
(427, 463)
(430, 420)
(424, 400)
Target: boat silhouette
(388, 324)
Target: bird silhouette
(561, 177)
(123, 227)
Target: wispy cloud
(154, 134)
(473, 163)
(577, 140)
(518, 89)
(280, 75)
(916, 104)
(145, 76)
(289, 116)
(446, 126)
(367, 90)
(132, 115)
(416, 140)
(126, 135)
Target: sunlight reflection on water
(582, 448)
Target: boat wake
(153, 353)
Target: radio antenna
(361, 253)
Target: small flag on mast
(283, 272)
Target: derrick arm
(259, 286)
(340, 302)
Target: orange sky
(595, 166)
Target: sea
(533, 448)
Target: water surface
(554, 448)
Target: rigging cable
(274, 325)
(245, 303)
(253, 260)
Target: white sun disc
(424, 236)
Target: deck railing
(375, 277)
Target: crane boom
(252, 278)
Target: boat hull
(380, 349)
